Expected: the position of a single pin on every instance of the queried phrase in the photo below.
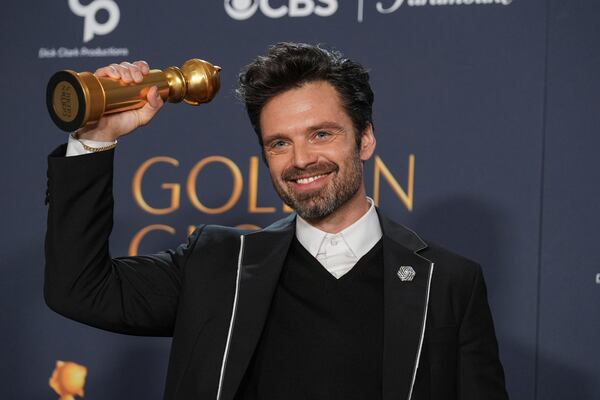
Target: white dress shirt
(339, 252)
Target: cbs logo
(244, 9)
(91, 26)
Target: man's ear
(367, 143)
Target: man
(333, 302)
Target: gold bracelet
(94, 149)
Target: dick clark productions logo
(244, 9)
(91, 26)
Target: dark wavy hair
(291, 65)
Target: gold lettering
(381, 169)
(136, 187)
(287, 209)
(134, 246)
(237, 185)
(253, 189)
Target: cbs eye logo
(244, 9)
(91, 26)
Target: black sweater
(323, 336)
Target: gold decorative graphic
(136, 187)
(236, 190)
(68, 380)
(382, 169)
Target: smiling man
(333, 302)
(315, 155)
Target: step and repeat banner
(486, 116)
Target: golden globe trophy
(75, 99)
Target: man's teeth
(304, 181)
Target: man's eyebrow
(326, 125)
(272, 137)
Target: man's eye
(322, 135)
(278, 144)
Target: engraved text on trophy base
(65, 102)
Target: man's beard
(320, 203)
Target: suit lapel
(405, 309)
(263, 256)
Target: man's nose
(304, 155)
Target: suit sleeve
(480, 372)
(132, 295)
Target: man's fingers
(134, 71)
(124, 73)
(143, 66)
(108, 71)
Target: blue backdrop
(486, 115)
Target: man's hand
(111, 127)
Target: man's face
(310, 148)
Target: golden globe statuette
(75, 99)
(68, 380)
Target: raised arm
(134, 295)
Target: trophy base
(65, 100)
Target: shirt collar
(361, 236)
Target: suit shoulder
(220, 234)
(216, 234)
(455, 278)
(450, 264)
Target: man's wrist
(79, 146)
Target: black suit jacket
(213, 293)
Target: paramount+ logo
(244, 9)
